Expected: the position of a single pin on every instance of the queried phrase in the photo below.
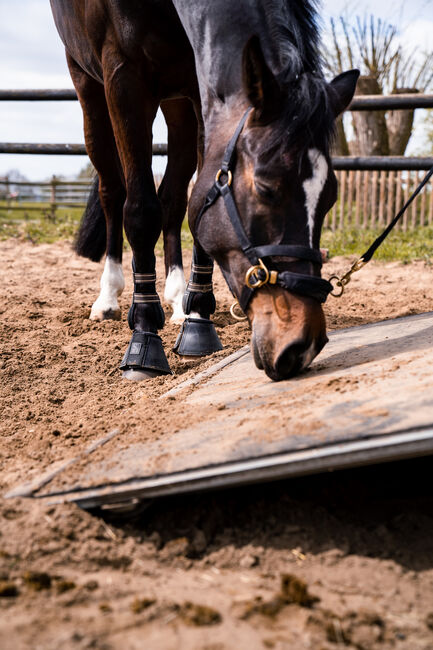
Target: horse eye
(265, 191)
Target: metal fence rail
(59, 149)
(359, 103)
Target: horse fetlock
(148, 317)
(197, 338)
(202, 303)
(106, 306)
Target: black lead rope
(366, 257)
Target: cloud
(418, 34)
(30, 48)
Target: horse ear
(342, 90)
(260, 85)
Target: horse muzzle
(289, 331)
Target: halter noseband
(259, 274)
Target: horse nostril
(291, 360)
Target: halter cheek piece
(259, 274)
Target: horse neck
(218, 38)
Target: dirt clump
(37, 580)
(198, 615)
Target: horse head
(282, 184)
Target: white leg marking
(175, 286)
(313, 186)
(112, 285)
(195, 314)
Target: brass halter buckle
(229, 176)
(254, 282)
(344, 281)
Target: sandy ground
(342, 560)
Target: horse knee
(142, 220)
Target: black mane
(293, 55)
(294, 45)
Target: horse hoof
(139, 375)
(197, 338)
(108, 314)
(145, 355)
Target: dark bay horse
(242, 92)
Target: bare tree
(372, 46)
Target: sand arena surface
(362, 542)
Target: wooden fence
(371, 188)
(367, 199)
(370, 199)
(43, 196)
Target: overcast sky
(32, 56)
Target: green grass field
(39, 227)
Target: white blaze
(112, 285)
(175, 286)
(313, 186)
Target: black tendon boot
(198, 336)
(145, 356)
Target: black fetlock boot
(145, 356)
(198, 336)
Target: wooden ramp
(368, 398)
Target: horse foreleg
(128, 94)
(173, 193)
(198, 336)
(102, 151)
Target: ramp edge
(337, 456)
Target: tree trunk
(340, 146)
(370, 131)
(400, 124)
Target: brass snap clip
(233, 309)
(344, 281)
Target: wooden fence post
(406, 198)
(415, 203)
(430, 206)
(53, 204)
(7, 192)
(398, 197)
(382, 198)
(390, 198)
(342, 199)
(350, 197)
(334, 209)
(357, 197)
(366, 183)
(374, 199)
(422, 219)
